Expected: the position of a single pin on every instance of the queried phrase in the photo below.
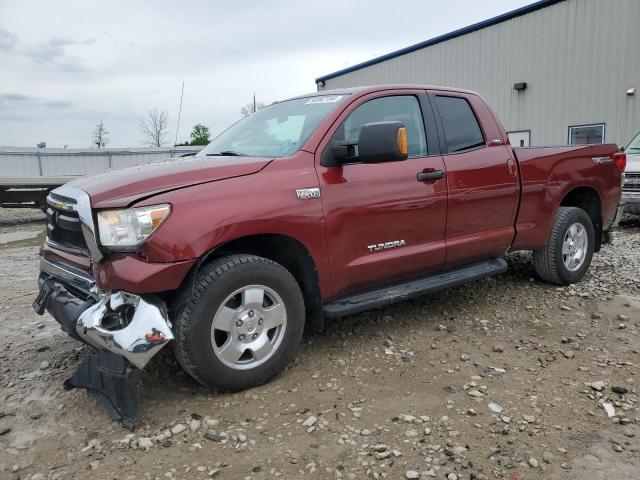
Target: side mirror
(377, 142)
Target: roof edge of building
(443, 38)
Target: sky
(67, 65)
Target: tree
(251, 107)
(154, 127)
(200, 135)
(100, 135)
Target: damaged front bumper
(145, 331)
(121, 323)
(126, 331)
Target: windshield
(634, 146)
(278, 130)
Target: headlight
(130, 227)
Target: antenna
(619, 131)
(179, 113)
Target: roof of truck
(379, 88)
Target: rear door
(381, 222)
(482, 179)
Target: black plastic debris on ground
(107, 378)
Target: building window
(586, 134)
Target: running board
(401, 291)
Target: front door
(381, 222)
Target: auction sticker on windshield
(324, 99)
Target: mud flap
(107, 377)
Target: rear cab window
(461, 128)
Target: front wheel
(241, 325)
(567, 256)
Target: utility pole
(254, 102)
(179, 113)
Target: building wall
(578, 58)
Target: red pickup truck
(319, 206)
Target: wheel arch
(588, 199)
(280, 248)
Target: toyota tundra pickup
(316, 207)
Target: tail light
(619, 160)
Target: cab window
(403, 108)
(461, 128)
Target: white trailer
(28, 174)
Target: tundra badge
(307, 193)
(386, 246)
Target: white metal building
(556, 71)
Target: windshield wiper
(225, 153)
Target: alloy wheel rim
(574, 247)
(248, 327)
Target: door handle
(432, 175)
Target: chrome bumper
(142, 324)
(71, 276)
(630, 197)
(147, 331)
(619, 215)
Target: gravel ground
(504, 378)
(19, 216)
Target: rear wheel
(241, 325)
(567, 256)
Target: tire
(549, 262)
(225, 295)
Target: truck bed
(548, 174)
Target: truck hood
(124, 186)
(633, 163)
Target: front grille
(631, 182)
(63, 223)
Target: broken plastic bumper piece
(126, 331)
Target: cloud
(59, 77)
(8, 40)
(57, 104)
(15, 97)
(53, 52)
(20, 100)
